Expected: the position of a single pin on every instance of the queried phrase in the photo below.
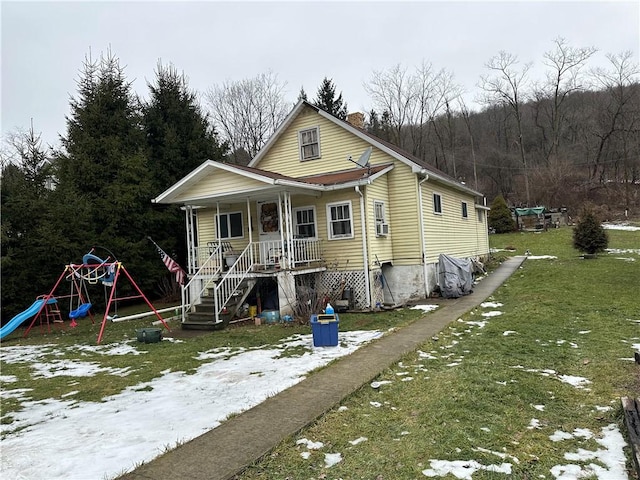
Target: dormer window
(309, 141)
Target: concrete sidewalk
(240, 441)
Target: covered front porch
(227, 263)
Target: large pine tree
(179, 138)
(104, 170)
(326, 100)
(25, 203)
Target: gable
(336, 145)
(222, 183)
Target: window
(437, 203)
(339, 218)
(465, 212)
(309, 143)
(480, 215)
(231, 225)
(305, 222)
(382, 228)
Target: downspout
(365, 252)
(422, 242)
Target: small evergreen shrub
(588, 235)
(500, 218)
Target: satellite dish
(363, 161)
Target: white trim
(433, 203)
(294, 216)
(218, 229)
(301, 145)
(330, 235)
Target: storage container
(324, 328)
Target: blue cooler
(324, 328)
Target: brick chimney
(356, 119)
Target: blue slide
(20, 318)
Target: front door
(269, 232)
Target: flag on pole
(171, 264)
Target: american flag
(171, 264)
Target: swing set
(92, 271)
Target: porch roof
(258, 184)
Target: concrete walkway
(240, 441)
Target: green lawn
(490, 389)
(494, 389)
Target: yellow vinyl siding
(221, 182)
(337, 252)
(207, 225)
(380, 246)
(336, 145)
(403, 214)
(449, 232)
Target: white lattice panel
(330, 284)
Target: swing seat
(80, 312)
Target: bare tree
(247, 112)
(620, 117)
(465, 116)
(506, 86)
(412, 101)
(563, 78)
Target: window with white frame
(382, 228)
(339, 220)
(437, 203)
(465, 211)
(230, 225)
(309, 141)
(480, 215)
(305, 222)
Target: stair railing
(206, 274)
(228, 285)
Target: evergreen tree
(326, 100)
(28, 266)
(104, 171)
(302, 95)
(500, 218)
(588, 235)
(179, 138)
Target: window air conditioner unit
(382, 229)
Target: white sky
(44, 43)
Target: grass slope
(493, 389)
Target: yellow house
(325, 211)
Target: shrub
(588, 234)
(500, 216)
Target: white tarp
(455, 276)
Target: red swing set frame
(74, 270)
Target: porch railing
(226, 288)
(209, 269)
(225, 283)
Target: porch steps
(203, 317)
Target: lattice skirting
(330, 283)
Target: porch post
(365, 250)
(289, 222)
(281, 225)
(250, 230)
